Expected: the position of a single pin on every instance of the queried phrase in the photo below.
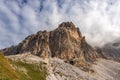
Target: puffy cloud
(98, 20)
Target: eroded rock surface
(65, 42)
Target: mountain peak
(67, 25)
(66, 42)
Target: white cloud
(98, 20)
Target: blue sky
(98, 20)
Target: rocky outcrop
(65, 42)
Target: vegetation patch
(6, 70)
(33, 71)
(19, 70)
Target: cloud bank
(98, 20)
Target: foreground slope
(17, 69)
(6, 70)
(57, 69)
(29, 67)
(106, 70)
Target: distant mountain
(112, 50)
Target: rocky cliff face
(65, 42)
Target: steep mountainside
(66, 42)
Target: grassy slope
(6, 70)
(21, 71)
(34, 71)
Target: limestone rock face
(65, 42)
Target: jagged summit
(68, 25)
(65, 42)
